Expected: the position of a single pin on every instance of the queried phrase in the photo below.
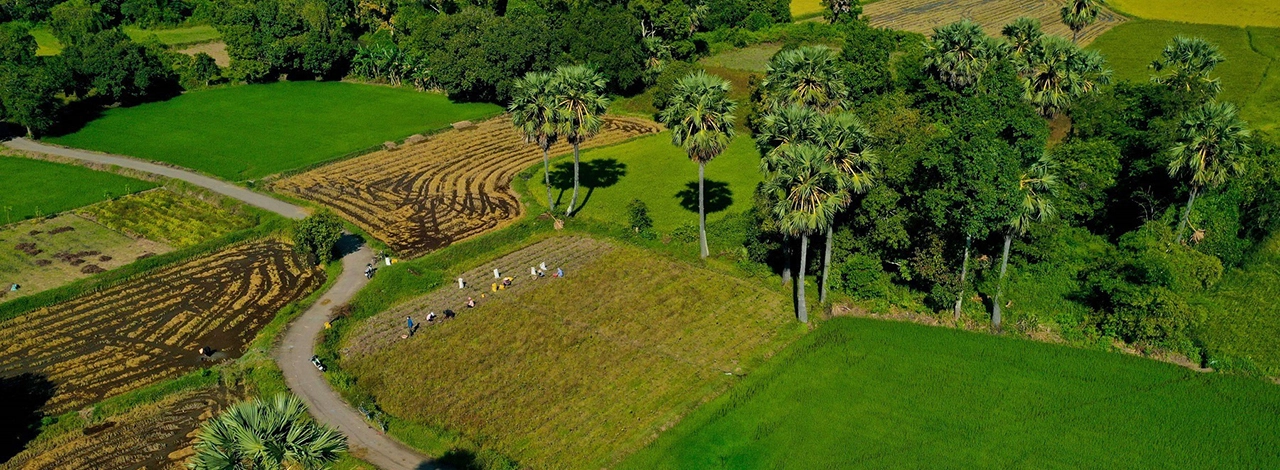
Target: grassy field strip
(248, 132)
(49, 45)
(575, 372)
(1223, 12)
(921, 16)
(454, 185)
(871, 393)
(37, 188)
(751, 58)
(661, 175)
(1243, 322)
(1249, 75)
(145, 331)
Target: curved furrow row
(452, 186)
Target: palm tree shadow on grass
(718, 196)
(592, 174)
(24, 395)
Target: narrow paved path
(218, 186)
(295, 351)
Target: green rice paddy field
(49, 45)
(868, 393)
(34, 188)
(1250, 78)
(1225, 12)
(658, 173)
(247, 132)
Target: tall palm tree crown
(699, 114)
(1037, 186)
(1209, 140)
(1056, 72)
(266, 434)
(848, 149)
(1021, 34)
(533, 113)
(1079, 14)
(808, 76)
(580, 107)
(785, 126)
(958, 54)
(1188, 62)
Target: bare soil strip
(454, 185)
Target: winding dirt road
(295, 351)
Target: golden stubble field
(573, 372)
(153, 436)
(454, 185)
(147, 330)
(921, 16)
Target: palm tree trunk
(546, 173)
(826, 266)
(1004, 264)
(30, 135)
(702, 211)
(1075, 36)
(786, 259)
(574, 200)
(800, 308)
(964, 272)
(1186, 213)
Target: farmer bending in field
(431, 317)
(409, 320)
(559, 272)
(471, 303)
(461, 284)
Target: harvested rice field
(155, 436)
(453, 185)
(147, 330)
(921, 16)
(572, 372)
(41, 254)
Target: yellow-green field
(1224, 12)
(49, 45)
(166, 217)
(573, 372)
(805, 8)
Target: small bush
(317, 235)
(861, 276)
(638, 215)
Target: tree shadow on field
(592, 174)
(718, 196)
(20, 417)
(463, 459)
(347, 244)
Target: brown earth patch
(217, 50)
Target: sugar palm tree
(1210, 140)
(1056, 72)
(700, 116)
(1188, 62)
(275, 433)
(808, 76)
(846, 143)
(958, 54)
(1079, 14)
(1021, 34)
(782, 127)
(805, 193)
(580, 107)
(533, 113)
(1037, 186)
